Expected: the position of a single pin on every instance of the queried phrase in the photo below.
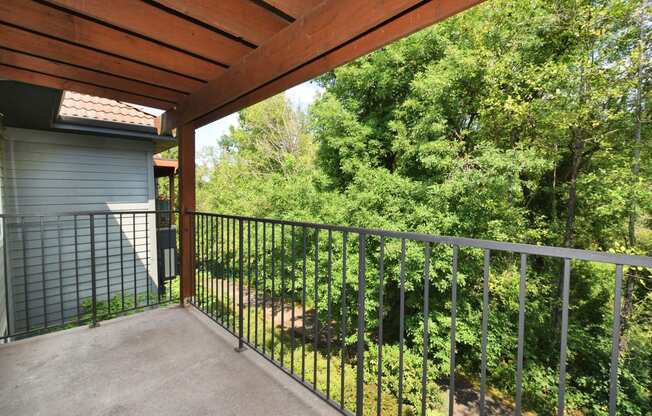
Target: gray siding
(50, 175)
(4, 307)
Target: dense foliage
(522, 121)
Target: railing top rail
(88, 213)
(531, 249)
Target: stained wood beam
(64, 26)
(153, 22)
(294, 8)
(65, 71)
(45, 47)
(243, 19)
(406, 24)
(333, 33)
(45, 80)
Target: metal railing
(287, 289)
(77, 268)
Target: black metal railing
(312, 299)
(70, 269)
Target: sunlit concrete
(164, 362)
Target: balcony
(168, 361)
(308, 307)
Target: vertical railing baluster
(264, 287)
(256, 283)
(381, 282)
(343, 320)
(248, 281)
(485, 327)
(451, 387)
(303, 311)
(122, 268)
(233, 271)
(43, 288)
(329, 315)
(615, 343)
(273, 271)
(521, 333)
(293, 276)
(222, 271)
(282, 254)
(6, 277)
(77, 297)
(315, 324)
(213, 228)
(147, 253)
(133, 229)
(60, 257)
(564, 338)
(401, 328)
(426, 320)
(362, 253)
(240, 288)
(25, 278)
(108, 279)
(93, 274)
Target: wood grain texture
(155, 23)
(242, 19)
(61, 70)
(79, 31)
(45, 47)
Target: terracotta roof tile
(103, 109)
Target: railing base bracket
(95, 325)
(240, 349)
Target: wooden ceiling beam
(68, 27)
(243, 19)
(45, 80)
(294, 8)
(326, 27)
(352, 28)
(45, 47)
(152, 22)
(66, 71)
(404, 25)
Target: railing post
(362, 243)
(93, 277)
(240, 346)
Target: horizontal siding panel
(52, 174)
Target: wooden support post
(186, 138)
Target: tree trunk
(632, 275)
(578, 149)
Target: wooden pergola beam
(242, 19)
(155, 23)
(396, 29)
(65, 71)
(37, 78)
(334, 32)
(56, 50)
(293, 8)
(71, 28)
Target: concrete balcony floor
(171, 361)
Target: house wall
(48, 177)
(4, 304)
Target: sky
(301, 96)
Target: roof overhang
(200, 61)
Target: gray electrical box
(166, 240)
